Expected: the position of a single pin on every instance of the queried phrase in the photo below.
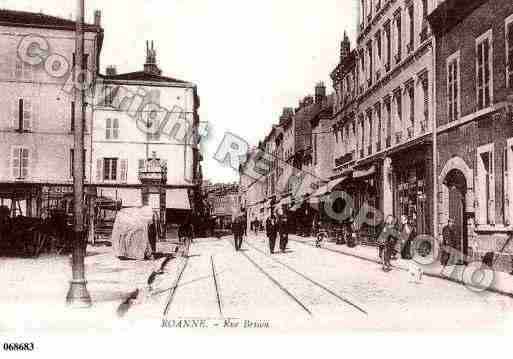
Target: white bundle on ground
(130, 233)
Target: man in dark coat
(271, 228)
(449, 236)
(238, 232)
(284, 232)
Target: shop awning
(130, 197)
(365, 172)
(177, 199)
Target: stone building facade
(474, 97)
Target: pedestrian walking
(271, 229)
(152, 235)
(449, 235)
(238, 232)
(386, 242)
(407, 235)
(283, 225)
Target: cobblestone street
(309, 287)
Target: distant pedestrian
(284, 232)
(153, 232)
(271, 229)
(238, 232)
(386, 242)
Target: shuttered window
(484, 70)
(20, 162)
(486, 185)
(509, 51)
(110, 169)
(453, 87)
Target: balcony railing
(398, 137)
(388, 141)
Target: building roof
(450, 12)
(40, 20)
(142, 76)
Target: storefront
(412, 185)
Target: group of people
(395, 239)
(275, 226)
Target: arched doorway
(457, 186)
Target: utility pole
(78, 295)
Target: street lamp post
(78, 295)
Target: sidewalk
(502, 283)
(34, 290)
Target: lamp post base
(78, 296)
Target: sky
(249, 59)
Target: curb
(432, 275)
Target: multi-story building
(37, 107)
(225, 202)
(144, 139)
(474, 112)
(383, 118)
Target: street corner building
(141, 128)
(474, 111)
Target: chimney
(151, 60)
(111, 70)
(345, 48)
(320, 93)
(98, 17)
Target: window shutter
(480, 192)
(16, 162)
(108, 124)
(24, 162)
(115, 128)
(99, 169)
(505, 169)
(492, 189)
(27, 113)
(71, 162)
(123, 170)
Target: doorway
(457, 185)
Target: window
(72, 116)
(379, 126)
(389, 43)
(509, 51)
(453, 87)
(399, 35)
(371, 125)
(110, 169)
(388, 109)
(485, 185)
(378, 46)
(484, 79)
(412, 28)
(411, 97)
(371, 61)
(24, 112)
(20, 162)
(22, 70)
(109, 93)
(111, 128)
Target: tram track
(312, 281)
(174, 288)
